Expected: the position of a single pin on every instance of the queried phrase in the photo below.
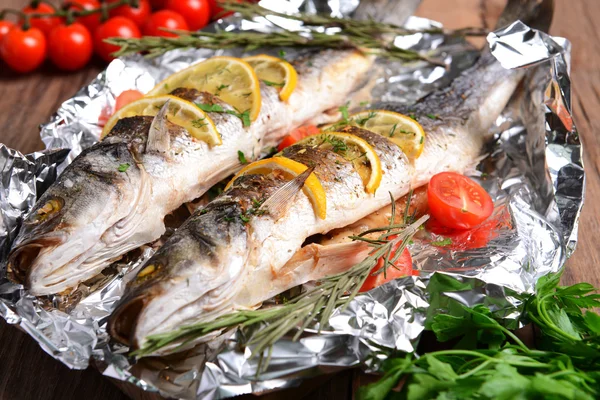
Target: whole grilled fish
(114, 195)
(221, 260)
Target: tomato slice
(126, 97)
(298, 134)
(403, 267)
(458, 202)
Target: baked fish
(114, 196)
(235, 253)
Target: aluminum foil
(533, 170)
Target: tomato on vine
(23, 49)
(5, 26)
(139, 14)
(164, 19)
(91, 21)
(70, 46)
(44, 24)
(195, 12)
(113, 27)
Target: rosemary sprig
(367, 35)
(315, 304)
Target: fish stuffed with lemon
(167, 149)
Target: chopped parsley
(344, 110)
(393, 130)
(363, 103)
(269, 83)
(199, 123)
(442, 243)
(242, 157)
(282, 53)
(337, 145)
(363, 121)
(216, 108)
(221, 87)
(431, 116)
(244, 218)
(421, 141)
(413, 116)
(123, 167)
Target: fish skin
(259, 267)
(102, 213)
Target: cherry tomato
(5, 26)
(457, 201)
(70, 46)
(126, 97)
(403, 267)
(113, 27)
(158, 4)
(164, 19)
(91, 21)
(139, 14)
(23, 50)
(44, 24)
(195, 12)
(298, 134)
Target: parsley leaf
(210, 107)
(123, 167)
(442, 243)
(242, 157)
(269, 83)
(344, 110)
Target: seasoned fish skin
(53, 257)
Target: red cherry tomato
(403, 267)
(91, 21)
(23, 50)
(139, 14)
(44, 24)
(164, 19)
(298, 134)
(113, 27)
(70, 46)
(5, 26)
(195, 12)
(126, 97)
(457, 201)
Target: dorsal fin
(279, 202)
(159, 139)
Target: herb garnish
(242, 157)
(344, 110)
(269, 83)
(282, 54)
(123, 167)
(491, 362)
(216, 108)
(221, 87)
(442, 243)
(431, 116)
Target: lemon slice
(401, 129)
(312, 186)
(180, 112)
(276, 72)
(354, 149)
(231, 79)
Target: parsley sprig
(491, 362)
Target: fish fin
(317, 261)
(159, 139)
(280, 201)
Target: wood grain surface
(26, 372)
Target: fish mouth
(124, 319)
(23, 257)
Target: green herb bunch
(488, 361)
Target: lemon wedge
(231, 79)
(276, 72)
(401, 129)
(179, 112)
(312, 186)
(354, 149)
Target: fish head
(76, 222)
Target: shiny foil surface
(533, 170)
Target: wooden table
(26, 372)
